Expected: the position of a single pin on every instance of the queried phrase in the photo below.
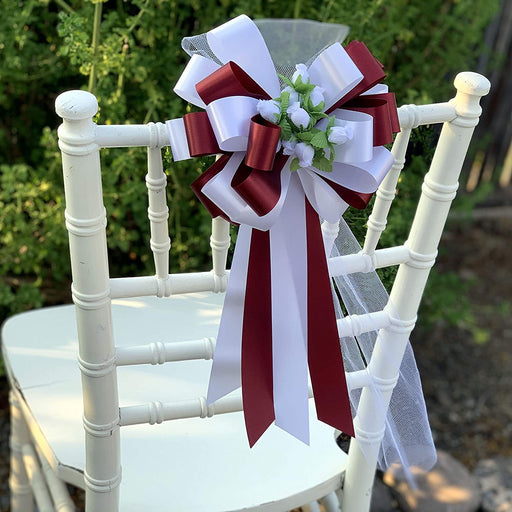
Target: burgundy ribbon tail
(324, 353)
(257, 379)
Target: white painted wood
(19, 485)
(160, 353)
(386, 193)
(353, 325)
(176, 284)
(331, 503)
(220, 242)
(152, 135)
(439, 189)
(311, 507)
(36, 478)
(367, 262)
(86, 221)
(62, 502)
(158, 213)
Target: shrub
(128, 53)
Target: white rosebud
(294, 95)
(302, 71)
(299, 117)
(317, 96)
(340, 134)
(269, 110)
(289, 147)
(305, 153)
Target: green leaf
(304, 88)
(319, 140)
(332, 152)
(287, 81)
(305, 136)
(322, 163)
(286, 129)
(285, 100)
(317, 108)
(330, 124)
(294, 166)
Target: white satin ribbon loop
(360, 147)
(362, 177)
(335, 71)
(196, 70)
(178, 139)
(240, 41)
(327, 203)
(230, 120)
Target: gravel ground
(467, 384)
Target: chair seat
(183, 465)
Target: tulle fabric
(407, 436)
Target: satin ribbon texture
(278, 320)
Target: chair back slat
(386, 194)
(158, 213)
(220, 242)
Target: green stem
(120, 78)
(137, 19)
(296, 10)
(95, 45)
(63, 5)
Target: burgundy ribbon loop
(262, 144)
(260, 189)
(229, 80)
(379, 110)
(200, 137)
(368, 65)
(198, 184)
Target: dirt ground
(467, 382)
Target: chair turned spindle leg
(21, 492)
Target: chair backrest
(80, 140)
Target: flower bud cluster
(297, 111)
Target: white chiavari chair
(119, 328)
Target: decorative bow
(278, 318)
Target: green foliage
(131, 58)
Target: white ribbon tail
(289, 315)
(226, 370)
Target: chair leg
(311, 507)
(21, 493)
(331, 503)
